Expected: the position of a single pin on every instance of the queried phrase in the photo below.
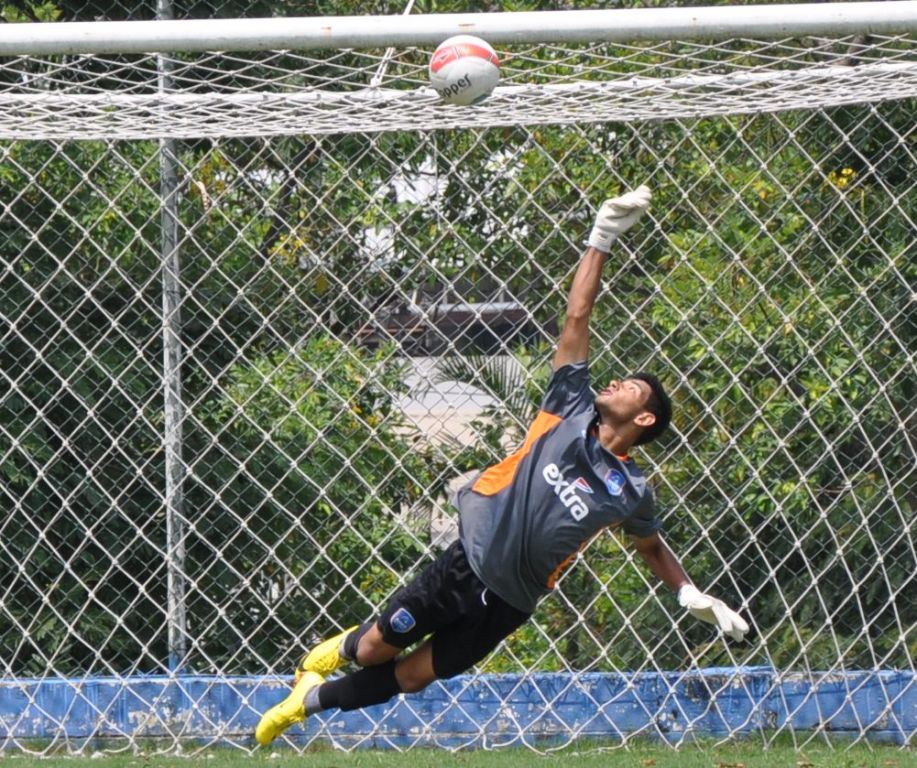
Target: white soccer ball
(464, 70)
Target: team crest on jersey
(582, 485)
(402, 621)
(614, 482)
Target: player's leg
(415, 672)
(415, 611)
(480, 622)
(485, 620)
(375, 684)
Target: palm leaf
(503, 377)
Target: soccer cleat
(288, 712)
(325, 657)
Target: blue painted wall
(473, 711)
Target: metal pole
(622, 25)
(171, 375)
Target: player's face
(622, 400)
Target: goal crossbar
(314, 33)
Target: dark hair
(658, 404)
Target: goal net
(265, 300)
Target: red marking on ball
(453, 52)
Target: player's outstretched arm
(614, 218)
(662, 561)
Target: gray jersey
(522, 521)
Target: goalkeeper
(522, 522)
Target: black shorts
(450, 602)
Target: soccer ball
(464, 70)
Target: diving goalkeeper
(521, 522)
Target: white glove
(618, 215)
(706, 608)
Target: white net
(357, 304)
(275, 93)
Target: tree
(304, 506)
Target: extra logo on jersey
(566, 491)
(615, 482)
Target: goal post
(264, 297)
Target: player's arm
(614, 218)
(573, 345)
(662, 561)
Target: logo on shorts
(614, 482)
(402, 621)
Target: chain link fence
(346, 323)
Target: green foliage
(82, 457)
(792, 375)
(47, 11)
(81, 559)
(314, 464)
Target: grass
(738, 755)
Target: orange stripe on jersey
(568, 561)
(494, 479)
(555, 574)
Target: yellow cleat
(288, 712)
(325, 657)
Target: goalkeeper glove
(706, 608)
(618, 215)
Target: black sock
(351, 641)
(363, 688)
